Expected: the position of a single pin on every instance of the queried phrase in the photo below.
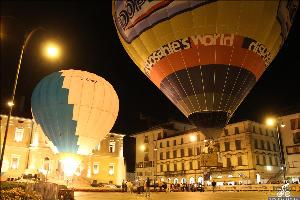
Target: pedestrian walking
(148, 187)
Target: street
(179, 195)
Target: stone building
(29, 151)
(289, 128)
(246, 152)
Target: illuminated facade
(247, 153)
(29, 151)
(289, 127)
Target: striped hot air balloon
(204, 55)
(75, 109)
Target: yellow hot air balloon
(204, 55)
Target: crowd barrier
(259, 187)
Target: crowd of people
(143, 186)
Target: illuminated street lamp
(53, 52)
(271, 122)
(10, 104)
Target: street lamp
(274, 122)
(51, 53)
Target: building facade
(247, 152)
(29, 151)
(289, 128)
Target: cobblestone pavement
(179, 196)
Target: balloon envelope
(205, 56)
(75, 109)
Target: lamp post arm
(14, 92)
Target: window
(174, 154)
(274, 147)
(260, 131)
(165, 134)
(175, 167)
(262, 144)
(268, 146)
(159, 136)
(253, 129)
(238, 145)
(19, 134)
(161, 155)
(146, 140)
(191, 165)
(168, 167)
(174, 142)
(15, 161)
(168, 155)
(95, 167)
(240, 161)
(270, 160)
(226, 132)
(257, 160)
(46, 164)
(111, 169)
(228, 162)
(181, 141)
(190, 151)
(236, 130)
(264, 160)
(198, 138)
(161, 145)
(199, 164)
(267, 132)
(293, 124)
(168, 144)
(276, 161)
(112, 146)
(161, 168)
(181, 152)
(182, 166)
(255, 144)
(198, 150)
(146, 157)
(227, 146)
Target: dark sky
(90, 42)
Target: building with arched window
(28, 152)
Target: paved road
(178, 196)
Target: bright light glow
(205, 140)
(219, 176)
(70, 165)
(10, 103)
(51, 50)
(282, 125)
(270, 121)
(143, 147)
(269, 168)
(193, 138)
(155, 149)
(230, 176)
(257, 178)
(111, 172)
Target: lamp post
(274, 122)
(52, 53)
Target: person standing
(213, 185)
(148, 187)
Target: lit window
(96, 168)
(35, 141)
(112, 146)
(15, 162)
(19, 134)
(47, 164)
(111, 169)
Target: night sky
(90, 42)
